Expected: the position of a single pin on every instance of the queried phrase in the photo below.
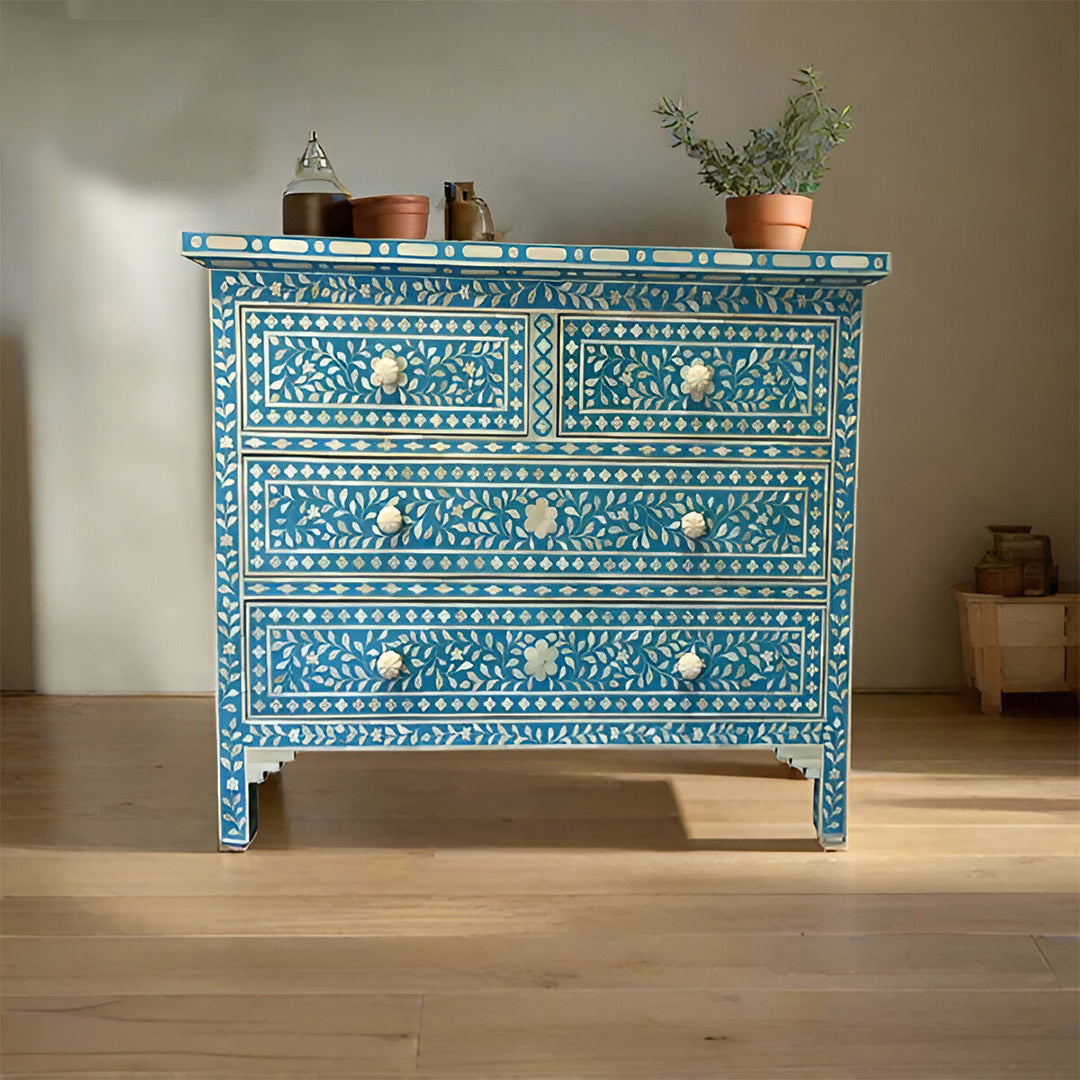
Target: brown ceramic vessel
(391, 217)
(777, 222)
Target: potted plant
(768, 181)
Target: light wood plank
(513, 872)
(129, 829)
(974, 839)
(760, 1034)
(280, 913)
(1062, 953)
(73, 966)
(213, 1037)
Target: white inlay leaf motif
(322, 516)
(356, 660)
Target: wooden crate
(1019, 644)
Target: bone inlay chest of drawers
(495, 495)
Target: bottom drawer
(565, 661)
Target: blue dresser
(497, 495)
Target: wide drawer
(347, 370)
(317, 516)
(640, 376)
(560, 661)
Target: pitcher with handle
(467, 215)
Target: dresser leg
(830, 802)
(829, 795)
(239, 823)
(239, 817)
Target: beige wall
(128, 121)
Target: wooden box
(1019, 644)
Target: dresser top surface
(330, 255)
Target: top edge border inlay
(327, 254)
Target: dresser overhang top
(830, 269)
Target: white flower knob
(690, 665)
(390, 665)
(697, 380)
(388, 371)
(389, 520)
(694, 525)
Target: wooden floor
(596, 913)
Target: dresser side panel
(233, 795)
(831, 801)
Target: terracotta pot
(769, 221)
(396, 217)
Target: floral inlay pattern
(731, 524)
(648, 378)
(326, 370)
(314, 370)
(707, 376)
(295, 655)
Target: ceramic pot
(777, 222)
(391, 217)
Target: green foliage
(788, 158)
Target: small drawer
(634, 376)
(348, 370)
(428, 660)
(348, 517)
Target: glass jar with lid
(315, 202)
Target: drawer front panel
(648, 376)
(346, 370)
(562, 661)
(312, 516)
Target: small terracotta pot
(777, 222)
(391, 217)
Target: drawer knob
(697, 380)
(390, 665)
(388, 371)
(389, 520)
(690, 665)
(694, 525)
